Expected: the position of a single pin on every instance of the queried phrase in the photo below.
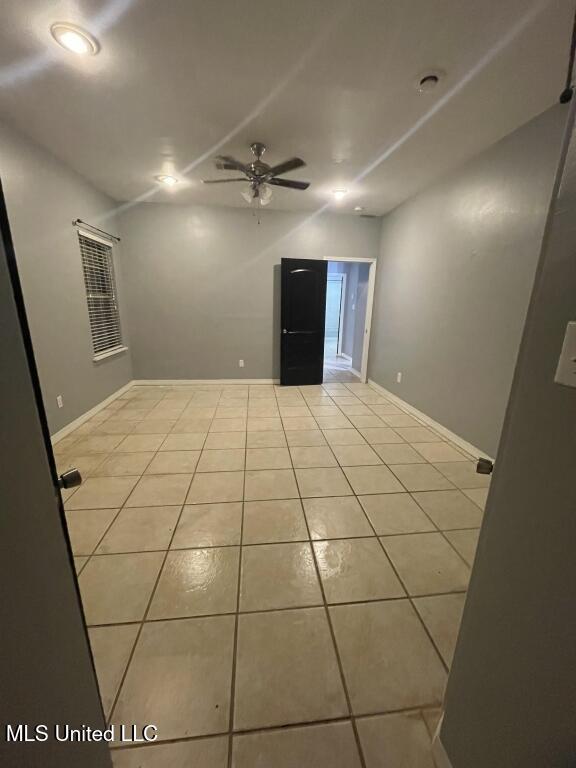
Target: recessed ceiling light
(358, 208)
(167, 180)
(75, 39)
(339, 193)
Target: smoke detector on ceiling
(428, 81)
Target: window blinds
(100, 285)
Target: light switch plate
(566, 371)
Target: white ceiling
(332, 81)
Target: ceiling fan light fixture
(259, 195)
(74, 39)
(248, 194)
(166, 179)
(265, 194)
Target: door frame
(369, 306)
(344, 283)
(343, 277)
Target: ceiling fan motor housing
(258, 168)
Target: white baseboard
(456, 439)
(185, 382)
(88, 415)
(436, 426)
(346, 357)
(438, 752)
(357, 373)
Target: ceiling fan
(259, 175)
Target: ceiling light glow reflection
(166, 179)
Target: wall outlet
(240, 363)
(60, 401)
(399, 377)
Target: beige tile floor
(336, 372)
(272, 576)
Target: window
(98, 267)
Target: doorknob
(70, 479)
(284, 330)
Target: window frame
(118, 348)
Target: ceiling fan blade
(226, 163)
(289, 183)
(220, 181)
(228, 167)
(287, 165)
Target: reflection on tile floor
(279, 572)
(335, 372)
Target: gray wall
(456, 268)
(201, 288)
(43, 197)
(511, 695)
(47, 671)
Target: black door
(303, 317)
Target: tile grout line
(442, 531)
(451, 545)
(333, 635)
(92, 554)
(277, 610)
(123, 505)
(142, 622)
(236, 626)
(411, 599)
(278, 728)
(153, 592)
(262, 543)
(400, 580)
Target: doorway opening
(326, 313)
(345, 330)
